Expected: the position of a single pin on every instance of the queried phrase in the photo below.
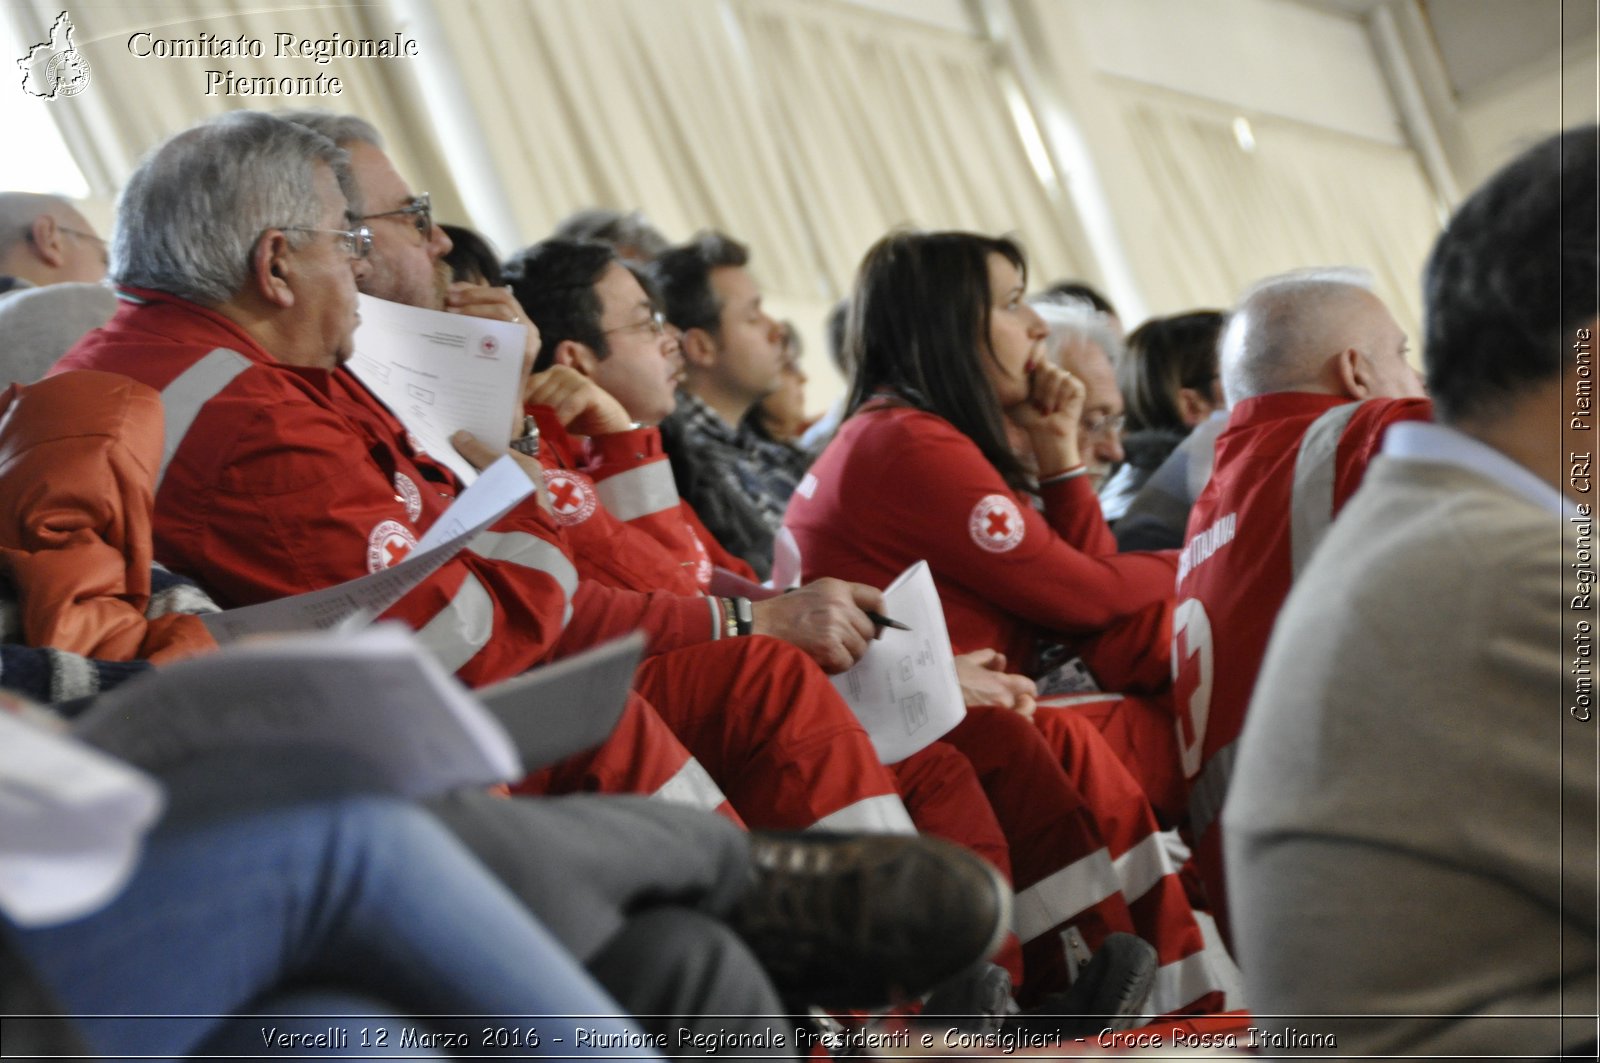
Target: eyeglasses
(1106, 426)
(421, 210)
(357, 242)
(656, 323)
(91, 237)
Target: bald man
(1314, 368)
(51, 265)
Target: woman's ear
(1193, 407)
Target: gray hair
(342, 129)
(189, 218)
(1074, 320)
(18, 210)
(1284, 328)
(620, 229)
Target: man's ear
(699, 349)
(47, 237)
(271, 268)
(1352, 374)
(575, 355)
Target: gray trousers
(634, 888)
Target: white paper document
(71, 824)
(354, 603)
(904, 689)
(441, 373)
(560, 709)
(376, 695)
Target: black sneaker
(1109, 994)
(861, 921)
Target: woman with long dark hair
(949, 358)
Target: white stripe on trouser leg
(691, 785)
(188, 392)
(871, 815)
(1061, 895)
(1141, 867)
(462, 628)
(1184, 981)
(530, 551)
(1224, 970)
(639, 492)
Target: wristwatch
(528, 442)
(737, 617)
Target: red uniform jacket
(898, 485)
(278, 480)
(618, 504)
(1237, 566)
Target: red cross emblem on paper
(996, 523)
(572, 496)
(388, 543)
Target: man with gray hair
(51, 265)
(1411, 834)
(1314, 368)
(237, 254)
(1085, 342)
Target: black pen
(883, 621)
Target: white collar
(1419, 441)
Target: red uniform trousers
(1193, 972)
(769, 727)
(642, 756)
(942, 792)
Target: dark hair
(471, 256)
(683, 277)
(1162, 356)
(1080, 290)
(554, 281)
(626, 231)
(837, 317)
(1511, 278)
(918, 327)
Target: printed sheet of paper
(375, 695)
(904, 689)
(501, 487)
(441, 373)
(564, 708)
(71, 823)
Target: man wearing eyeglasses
(51, 265)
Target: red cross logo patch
(572, 496)
(388, 543)
(488, 345)
(996, 524)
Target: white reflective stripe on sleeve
(1311, 504)
(1182, 982)
(530, 551)
(1141, 867)
(1062, 894)
(71, 676)
(187, 394)
(639, 492)
(691, 785)
(870, 815)
(462, 628)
